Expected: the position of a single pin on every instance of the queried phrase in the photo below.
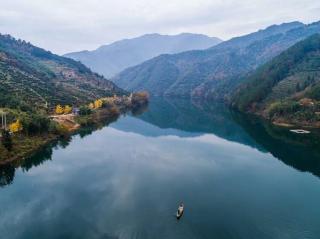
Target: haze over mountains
(109, 60)
(217, 71)
(33, 75)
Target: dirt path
(67, 121)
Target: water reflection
(185, 118)
(196, 117)
(299, 151)
(7, 172)
(126, 180)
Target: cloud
(69, 25)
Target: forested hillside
(31, 76)
(288, 87)
(44, 96)
(213, 73)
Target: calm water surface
(238, 178)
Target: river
(238, 177)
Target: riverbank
(293, 124)
(284, 122)
(289, 114)
(24, 146)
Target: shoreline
(101, 116)
(289, 124)
(282, 122)
(30, 152)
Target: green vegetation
(314, 92)
(287, 88)
(33, 82)
(23, 147)
(84, 110)
(293, 112)
(36, 130)
(110, 107)
(34, 78)
(6, 140)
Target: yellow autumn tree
(15, 127)
(67, 109)
(98, 104)
(59, 110)
(91, 106)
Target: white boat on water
(180, 211)
(300, 131)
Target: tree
(6, 140)
(98, 104)
(84, 110)
(67, 109)
(59, 110)
(139, 98)
(91, 106)
(35, 124)
(15, 127)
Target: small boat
(180, 211)
(300, 131)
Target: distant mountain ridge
(111, 59)
(31, 76)
(215, 72)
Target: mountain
(31, 76)
(111, 59)
(215, 72)
(288, 87)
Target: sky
(63, 26)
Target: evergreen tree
(6, 140)
(298, 87)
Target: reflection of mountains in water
(191, 119)
(7, 172)
(301, 152)
(186, 119)
(138, 126)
